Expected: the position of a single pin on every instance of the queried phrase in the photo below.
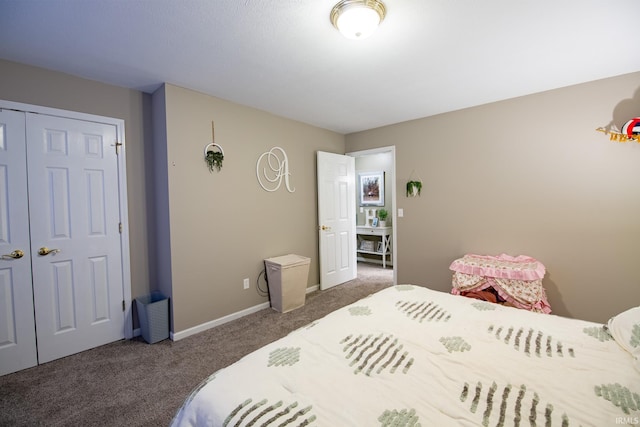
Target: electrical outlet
(245, 283)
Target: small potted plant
(382, 215)
(214, 160)
(414, 188)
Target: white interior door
(337, 218)
(74, 205)
(17, 327)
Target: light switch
(400, 213)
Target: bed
(410, 356)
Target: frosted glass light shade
(357, 19)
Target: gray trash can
(287, 276)
(153, 315)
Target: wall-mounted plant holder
(414, 186)
(213, 153)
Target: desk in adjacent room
(380, 247)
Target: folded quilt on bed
(411, 356)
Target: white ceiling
(285, 57)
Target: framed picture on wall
(371, 188)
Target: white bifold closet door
(61, 287)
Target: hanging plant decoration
(414, 185)
(214, 160)
(414, 188)
(212, 156)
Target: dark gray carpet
(132, 383)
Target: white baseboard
(221, 321)
(217, 322)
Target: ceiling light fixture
(357, 19)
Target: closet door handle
(14, 255)
(46, 251)
(324, 228)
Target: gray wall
(222, 225)
(526, 176)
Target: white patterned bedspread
(409, 356)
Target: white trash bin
(287, 276)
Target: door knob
(46, 251)
(14, 255)
(324, 227)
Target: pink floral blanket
(517, 280)
(502, 266)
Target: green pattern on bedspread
(455, 344)
(284, 356)
(497, 403)
(422, 310)
(598, 332)
(382, 352)
(620, 396)
(267, 415)
(484, 306)
(530, 341)
(403, 418)
(635, 336)
(360, 311)
(404, 287)
(311, 325)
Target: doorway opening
(376, 247)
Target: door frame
(394, 237)
(122, 189)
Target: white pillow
(625, 329)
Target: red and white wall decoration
(630, 131)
